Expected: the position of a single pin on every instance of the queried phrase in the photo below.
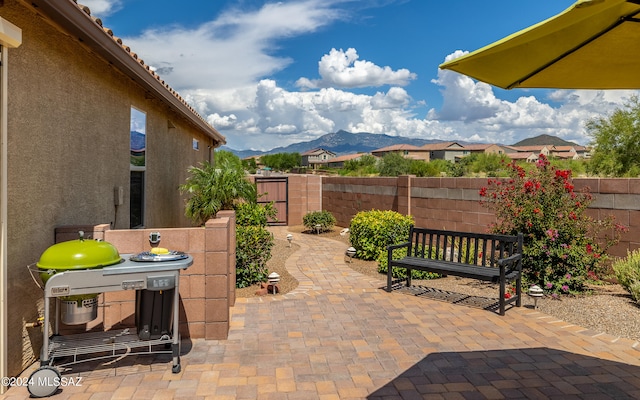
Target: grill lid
(79, 254)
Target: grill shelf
(103, 345)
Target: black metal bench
(486, 257)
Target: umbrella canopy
(594, 44)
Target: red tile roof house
(406, 150)
(68, 92)
(338, 162)
(449, 151)
(316, 157)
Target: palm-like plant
(215, 187)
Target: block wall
(453, 203)
(206, 288)
(305, 196)
(344, 197)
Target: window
(138, 166)
(196, 144)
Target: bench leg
(409, 277)
(519, 291)
(502, 299)
(389, 277)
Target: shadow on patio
(530, 373)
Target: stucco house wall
(68, 145)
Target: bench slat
(453, 268)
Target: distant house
(71, 94)
(566, 155)
(543, 149)
(316, 157)
(563, 152)
(256, 159)
(579, 151)
(338, 162)
(486, 148)
(406, 150)
(449, 151)
(526, 156)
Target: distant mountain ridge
(341, 142)
(138, 141)
(543, 140)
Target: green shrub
(254, 214)
(325, 219)
(253, 250)
(627, 272)
(253, 242)
(401, 273)
(370, 232)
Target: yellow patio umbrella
(594, 44)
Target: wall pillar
(231, 251)
(404, 194)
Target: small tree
(394, 164)
(561, 245)
(364, 165)
(616, 142)
(215, 187)
(250, 165)
(281, 161)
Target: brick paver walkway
(340, 336)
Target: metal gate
(275, 189)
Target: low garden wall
(453, 203)
(207, 288)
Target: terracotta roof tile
(346, 157)
(442, 146)
(398, 147)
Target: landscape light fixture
(351, 251)
(536, 292)
(273, 278)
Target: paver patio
(339, 335)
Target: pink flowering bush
(561, 248)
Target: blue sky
(268, 74)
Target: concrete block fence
(453, 203)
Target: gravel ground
(608, 308)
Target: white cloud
(220, 67)
(473, 111)
(233, 50)
(222, 122)
(102, 8)
(343, 70)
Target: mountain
(544, 140)
(341, 142)
(138, 141)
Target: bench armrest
(392, 247)
(511, 261)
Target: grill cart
(73, 274)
